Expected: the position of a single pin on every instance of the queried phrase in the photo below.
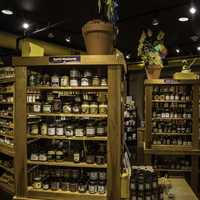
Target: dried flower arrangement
(151, 48)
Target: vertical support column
(114, 131)
(148, 116)
(195, 117)
(195, 174)
(20, 118)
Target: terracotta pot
(153, 72)
(98, 37)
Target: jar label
(76, 157)
(36, 108)
(90, 131)
(101, 189)
(59, 131)
(51, 131)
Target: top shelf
(170, 82)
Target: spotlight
(68, 39)
(25, 25)
(7, 12)
(177, 51)
(155, 22)
(128, 56)
(51, 35)
(193, 10)
(183, 19)
(198, 48)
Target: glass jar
(50, 97)
(69, 130)
(59, 156)
(46, 80)
(96, 81)
(57, 105)
(90, 130)
(73, 187)
(76, 156)
(90, 159)
(85, 81)
(45, 185)
(75, 174)
(103, 108)
(51, 130)
(34, 156)
(59, 129)
(51, 156)
(100, 129)
(93, 176)
(67, 108)
(43, 157)
(55, 184)
(74, 82)
(37, 183)
(64, 81)
(101, 187)
(79, 132)
(103, 82)
(55, 81)
(44, 129)
(93, 108)
(85, 107)
(100, 159)
(92, 187)
(87, 74)
(47, 108)
(65, 185)
(82, 187)
(32, 79)
(34, 129)
(37, 107)
(74, 73)
(141, 182)
(76, 108)
(102, 175)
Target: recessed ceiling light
(7, 12)
(25, 25)
(183, 19)
(193, 10)
(155, 22)
(128, 56)
(68, 39)
(198, 48)
(177, 51)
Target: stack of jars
(74, 79)
(144, 185)
(70, 180)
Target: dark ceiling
(134, 16)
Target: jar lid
(51, 152)
(59, 153)
(38, 178)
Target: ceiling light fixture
(193, 10)
(155, 22)
(68, 39)
(177, 51)
(183, 19)
(7, 12)
(198, 48)
(128, 56)
(25, 25)
(51, 35)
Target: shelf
(96, 138)
(65, 194)
(6, 103)
(30, 89)
(67, 164)
(174, 134)
(7, 135)
(7, 187)
(7, 80)
(174, 147)
(6, 126)
(6, 92)
(6, 117)
(5, 149)
(173, 170)
(7, 169)
(69, 115)
(181, 118)
(171, 101)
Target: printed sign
(65, 60)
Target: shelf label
(65, 60)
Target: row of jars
(85, 108)
(74, 79)
(172, 140)
(61, 129)
(171, 97)
(7, 141)
(60, 156)
(7, 99)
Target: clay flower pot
(153, 71)
(98, 37)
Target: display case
(7, 140)
(71, 120)
(171, 129)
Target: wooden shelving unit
(152, 149)
(7, 85)
(114, 68)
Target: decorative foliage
(151, 48)
(186, 66)
(109, 10)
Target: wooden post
(20, 130)
(195, 174)
(114, 132)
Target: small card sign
(65, 60)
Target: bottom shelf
(39, 193)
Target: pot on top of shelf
(151, 50)
(99, 34)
